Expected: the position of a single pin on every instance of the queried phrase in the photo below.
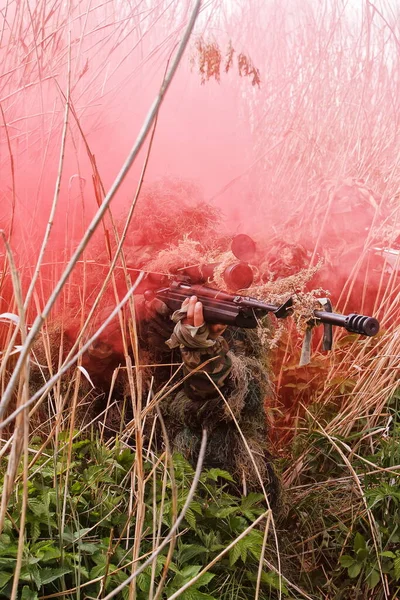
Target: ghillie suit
(224, 389)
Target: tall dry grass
(327, 110)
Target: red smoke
(274, 157)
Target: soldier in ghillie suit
(226, 395)
(223, 391)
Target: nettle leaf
(396, 568)
(190, 571)
(251, 514)
(97, 571)
(100, 558)
(185, 575)
(254, 542)
(49, 497)
(35, 529)
(189, 551)
(118, 577)
(237, 523)
(273, 580)
(243, 545)
(181, 465)
(37, 507)
(214, 474)
(80, 444)
(38, 546)
(88, 548)
(49, 575)
(28, 594)
(5, 578)
(126, 458)
(222, 513)
(195, 594)
(30, 560)
(83, 572)
(48, 553)
(190, 518)
(71, 537)
(31, 573)
(144, 582)
(204, 580)
(234, 555)
(250, 500)
(388, 554)
(196, 507)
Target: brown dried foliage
(210, 62)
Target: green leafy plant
(76, 531)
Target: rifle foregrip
(354, 323)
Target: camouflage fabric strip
(201, 386)
(188, 335)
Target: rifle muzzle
(354, 323)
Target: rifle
(244, 311)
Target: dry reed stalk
(176, 525)
(262, 553)
(106, 573)
(20, 436)
(37, 324)
(138, 473)
(372, 523)
(57, 186)
(72, 424)
(40, 394)
(12, 167)
(267, 514)
(157, 527)
(259, 477)
(174, 489)
(112, 385)
(373, 386)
